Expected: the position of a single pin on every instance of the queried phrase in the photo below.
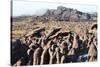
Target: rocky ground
(22, 28)
(53, 36)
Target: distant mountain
(69, 14)
(62, 14)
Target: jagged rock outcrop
(69, 14)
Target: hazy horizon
(20, 8)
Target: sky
(38, 8)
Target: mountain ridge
(63, 14)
